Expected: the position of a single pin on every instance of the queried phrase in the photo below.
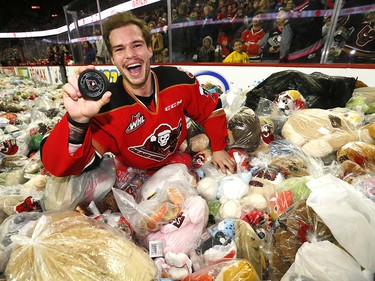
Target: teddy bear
(267, 135)
(319, 132)
(367, 133)
(356, 158)
(173, 266)
(244, 130)
(359, 152)
(298, 225)
(176, 173)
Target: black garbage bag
(318, 89)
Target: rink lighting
(35, 7)
(352, 52)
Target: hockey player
(141, 119)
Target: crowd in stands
(207, 31)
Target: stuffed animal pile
(188, 220)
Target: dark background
(12, 11)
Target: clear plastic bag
(68, 246)
(14, 225)
(232, 269)
(162, 197)
(299, 225)
(65, 193)
(244, 128)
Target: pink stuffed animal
(182, 234)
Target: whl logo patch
(136, 121)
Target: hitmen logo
(92, 85)
(160, 144)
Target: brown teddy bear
(297, 226)
(318, 132)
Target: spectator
(56, 55)
(225, 42)
(165, 53)
(207, 51)
(255, 8)
(238, 55)
(101, 51)
(280, 5)
(360, 44)
(156, 43)
(222, 14)
(252, 37)
(50, 55)
(65, 55)
(264, 6)
(289, 5)
(193, 31)
(269, 47)
(89, 53)
(181, 36)
(162, 25)
(301, 38)
(208, 28)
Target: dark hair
(89, 45)
(238, 40)
(183, 8)
(124, 19)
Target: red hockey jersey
(139, 136)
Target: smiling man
(141, 119)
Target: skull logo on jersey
(160, 144)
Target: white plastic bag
(323, 261)
(348, 214)
(167, 175)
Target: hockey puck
(92, 84)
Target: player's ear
(150, 52)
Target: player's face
(131, 55)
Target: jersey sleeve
(55, 154)
(205, 108)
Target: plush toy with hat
(290, 101)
